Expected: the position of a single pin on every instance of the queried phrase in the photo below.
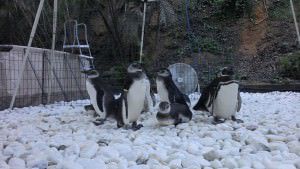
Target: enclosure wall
(65, 83)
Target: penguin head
(91, 73)
(134, 68)
(164, 73)
(164, 107)
(225, 71)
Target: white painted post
(33, 30)
(295, 21)
(52, 47)
(143, 31)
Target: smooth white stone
(14, 149)
(69, 165)
(91, 163)
(16, 163)
(88, 149)
(174, 164)
(216, 164)
(229, 163)
(38, 160)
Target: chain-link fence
(45, 79)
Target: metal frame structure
(75, 44)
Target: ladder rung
(76, 46)
(85, 56)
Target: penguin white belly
(166, 122)
(162, 91)
(136, 99)
(148, 100)
(225, 104)
(93, 97)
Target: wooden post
(52, 47)
(295, 21)
(143, 31)
(32, 34)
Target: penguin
(167, 90)
(135, 90)
(173, 114)
(105, 101)
(221, 97)
(149, 98)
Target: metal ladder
(71, 41)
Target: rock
(294, 147)
(72, 150)
(38, 160)
(219, 135)
(88, 149)
(174, 164)
(207, 141)
(126, 152)
(257, 165)
(193, 149)
(191, 161)
(252, 127)
(160, 155)
(14, 149)
(281, 146)
(258, 141)
(153, 162)
(204, 162)
(3, 165)
(297, 164)
(286, 166)
(216, 164)
(244, 162)
(108, 152)
(16, 163)
(91, 163)
(211, 155)
(272, 138)
(208, 168)
(229, 163)
(69, 165)
(54, 156)
(141, 167)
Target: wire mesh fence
(45, 79)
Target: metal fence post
(36, 20)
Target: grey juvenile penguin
(173, 114)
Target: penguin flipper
(203, 99)
(127, 82)
(239, 104)
(100, 100)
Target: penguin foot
(136, 126)
(99, 122)
(178, 122)
(88, 107)
(233, 118)
(217, 121)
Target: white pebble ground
(64, 137)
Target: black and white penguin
(150, 98)
(221, 97)
(135, 90)
(167, 90)
(105, 101)
(173, 114)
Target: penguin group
(220, 98)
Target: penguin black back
(174, 94)
(225, 74)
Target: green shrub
(289, 66)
